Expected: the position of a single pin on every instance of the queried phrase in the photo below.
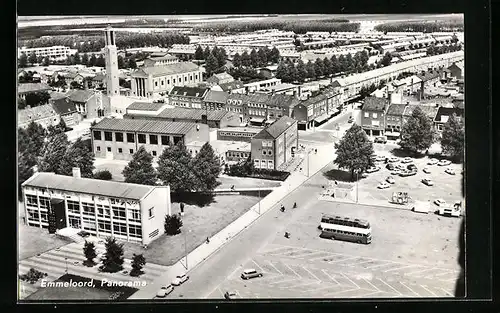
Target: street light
(185, 248)
(66, 259)
(357, 185)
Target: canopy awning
(257, 120)
(392, 134)
(321, 118)
(334, 111)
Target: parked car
(450, 171)
(393, 160)
(250, 273)
(412, 167)
(427, 182)
(390, 166)
(164, 291)
(350, 120)
(407, 160)
(421, 207)
(380, 158)
(439, 202)
(450, 211)
(407, 173)
(396, 171)
(230, 295)
(390, 180)
(383, 185)
(180, 279)
(380, 139)
(444, 163)
(400, 167)
(373, 169)
(432, 162)
(426, 170)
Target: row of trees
(77, 58)
(257, 58)
(245, 74)
(290, 72)
(433, 50)
(354, 151)
(422, 26)
(176, 168)
(215, 59)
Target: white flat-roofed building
(53, 52)
(130, 212)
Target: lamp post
(357, 185)
(66, 260)
(185, 249)
(259, 200)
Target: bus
(344, 228)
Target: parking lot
(411, 255)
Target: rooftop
(396, 109)
(277, 128)
(88, 186)
(216, 96)
(81, 96)
(32, 114)
(443, 113)
(144, 126)
(188, 91)
(375, 104)
(145, 106)
(254, 130)
(429, 110)
(63, 106)
(192, 114)
(32, 87)
(169, 69)
(235, 84)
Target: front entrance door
(57, 215)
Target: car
(406, 160)
(396, 171)
(390, 166)
(426, 170)
(407, 173)
(380, 139)
(383, 185)
(350, 120)
(450, 171)
(250, 273)
(373, 169)
(230, 295)
(412, 167)
(390, 180)
(164, 291)
(444, 163)
(393, 160)
(179, 279)
(439, 202)
(427, 182)
(380, 158)
(400, 167)
(432, 162)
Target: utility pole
(259, 200)
(357, 186)
(185, 249)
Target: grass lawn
(198, 224)
(114, 168)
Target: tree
(254, 58)
(140, 169)
(23, 60)
(138, 262)
(32, 58)
(206, 53)
(453, 137)
(121, 62)
(132, 64)
(103, 175)
(70, 60)
(85, 59)
(237, 60)
(77, 59)
(35, 136)
(46, 61)
(174, 168)
(335, 65)
(301, 71)
(25, 171)
(354, 151)
(35, 99)
(173, 224)
(245, 59)
(342, 64)
(113, 258)
(53, 152)
(206, 169)
(311, 71)
(274, 55)
(198, 53)
(100, 61)
(89, 252)
(262, 57)
(319, 67)
(349, 62)
(78, 155)
(282, 71)
(386, 60)
(221, 57)
(327, 67)
(417, 133)
(211, 64)
(92, 60)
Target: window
(108, 136)
(141, 138)
(162, 82)
(153, 139)
(168, 81)
(151, 212)
(270, 164)
(120, 150)
(165, 140)
(264, 152)
(103, 211)
(31, 200)
(270, 152)
(367, 114)
(119, 137)
(97, 135)
(131, 151)
(177, 139)
(118, 213)
(135, 231)
(134, 215)
(88, 208)
(73, 207)
(174, 80)
(130, 137)
(98, 149)
(104, 226)
(156, 84)
(374, 115)
(109, 149)
(256, 163)
(120, 229)
(153, 153)
(74, 222)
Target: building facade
(275, 145)
(44, 115)
(215, 100)
(187, 97)
(53, 52)
(125, 211)
(317, 109)
(394, 120)
(67, 111)
(244, 134)
(373, 116)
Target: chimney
(76, 172)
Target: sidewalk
(198, 255)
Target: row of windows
(120, 150)
(237, 154)
(179, 79)
(267, 152)
(345, 222)
(141, 138)
(345, 232)
(266, 143)
(256, 112)
(374, 115)
(263, 164)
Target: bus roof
(345, 218)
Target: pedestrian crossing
(69, 259)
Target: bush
(103, 175)
(173, 224)
(138, 262)
(32, 276)
(270, 174)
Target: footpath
(202, 252)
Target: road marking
(430, 291)
(321, 257)
(311, 273)
(366, 280)
(343, 291)
(447, 292)
(421, 271)
(303, 284)
(370, 294)
(305, 255)
(261, 269)
(317, 289)
(448, 272)
(390, 286)
(222, 293)
(398, 268)
(356, 264)
(292, 270)
(287, 279)
(276, 249)
(409, 289)
(350, 280)
(348, 258)
(233, 272)
(330, 277)
(274, 267)
(379, 265)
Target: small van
(250, 273)
(421, 207)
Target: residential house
(316, 110)
(443, 114)
(250, 107)
(275, 145)
(221, 78)
(125, 211)
(44, 115)
(456, 70)
(66, 109)
(119, 139)
(428, 79)
(73, 77)
(373, 115)
(188, 97)
(215, 100)
(279, 105)
(27, 88)
(90, 103)
(394, 120)
(98, 81)
(269, 71)
(235, 86)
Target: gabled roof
(145, 106)
(144, 126)
(235, 84)
(192, 114)
(216, 96)
(88, 186)
(429, 110)
(282, 101)
(80, 96)
(99, 77)
(444, 113)
(396, 109)
(277, 128)
(375, 104)
(164, 57)
(428, 75)
(32, 87)
(169, 69)
(186, 91)
(33, 114)
(220, 76)
(63, 106)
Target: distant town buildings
(53, 52)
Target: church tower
(111, 58)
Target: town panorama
(240, 157)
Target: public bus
(344, 228)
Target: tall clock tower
(111, 58)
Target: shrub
(173, 224)
(103, 175)
(32, 276)
(138, 262)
